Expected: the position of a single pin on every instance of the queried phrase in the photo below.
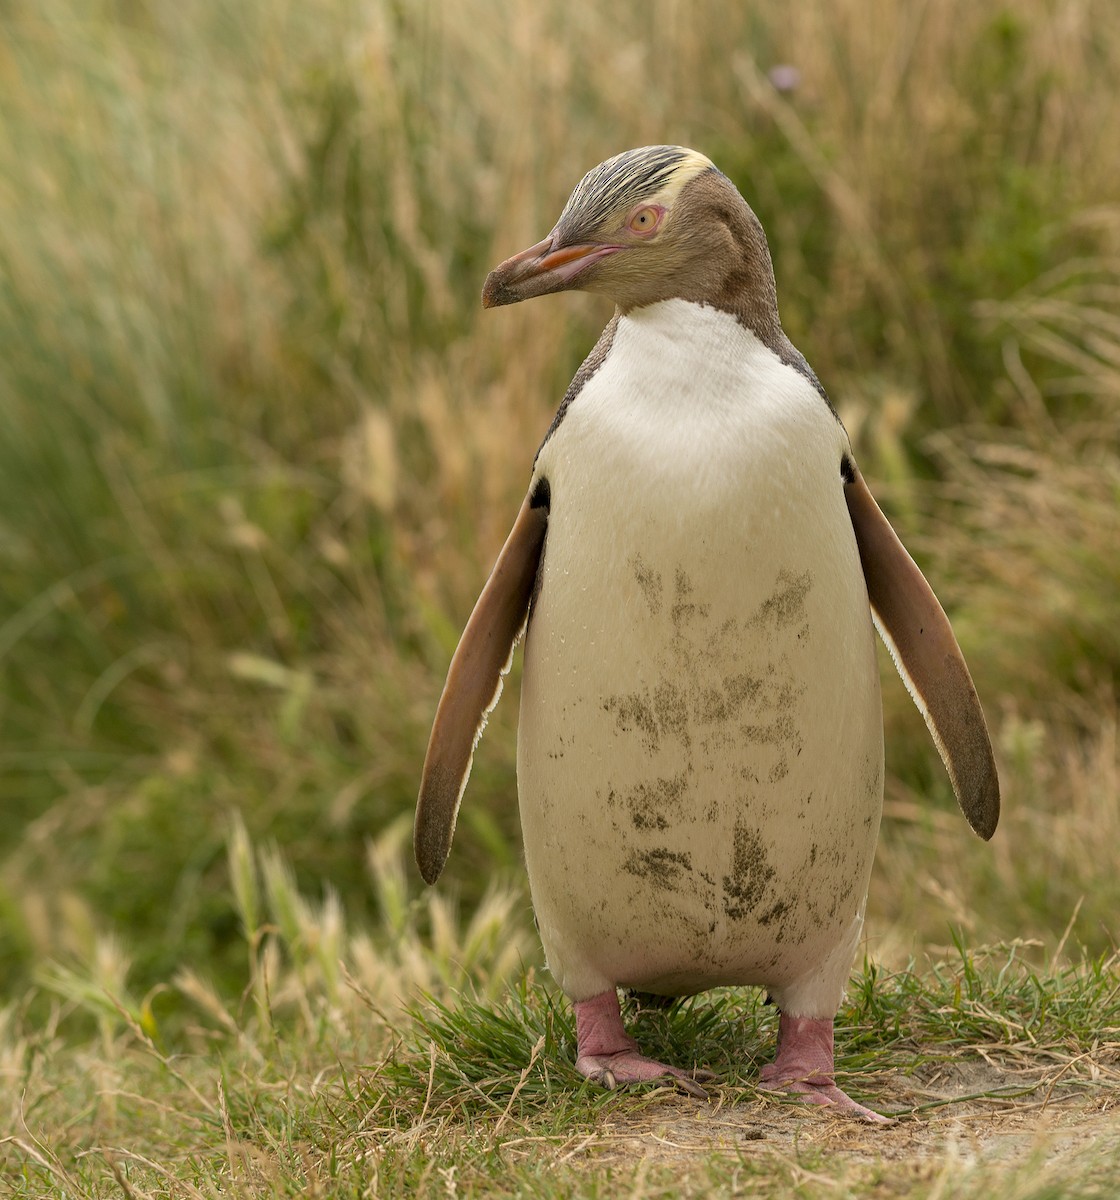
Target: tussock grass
(1022, 527)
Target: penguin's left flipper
(921, 642)
(474, 683)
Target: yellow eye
(646, 219)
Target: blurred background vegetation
(259, 444)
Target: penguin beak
(543, 268)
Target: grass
(400, 1079)
(258, 447)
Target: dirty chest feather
(670, 697)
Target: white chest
(700, 745)
(691, 411)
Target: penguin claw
(827, 1095)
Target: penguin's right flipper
(474, 683)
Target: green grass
(259, 445)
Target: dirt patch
(940, 1112)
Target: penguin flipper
(916, 631)
(474, 684)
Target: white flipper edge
(474, 685)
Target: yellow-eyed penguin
(696, 567)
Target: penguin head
(656, 223)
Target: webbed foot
(607, 1055)
(804, 1065)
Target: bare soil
(957, 1116)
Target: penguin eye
(645, 220)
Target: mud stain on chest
(784, 608)
(685, 610)
(664, 869)
(750, 875)
(655, 804)
(734, 676)
(649, 583)
(730, 692)
(662, 712)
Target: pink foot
(804, 1065)
(607, 1055)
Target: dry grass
(385, 1072)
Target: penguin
(697, 569)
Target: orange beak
(539, 270)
